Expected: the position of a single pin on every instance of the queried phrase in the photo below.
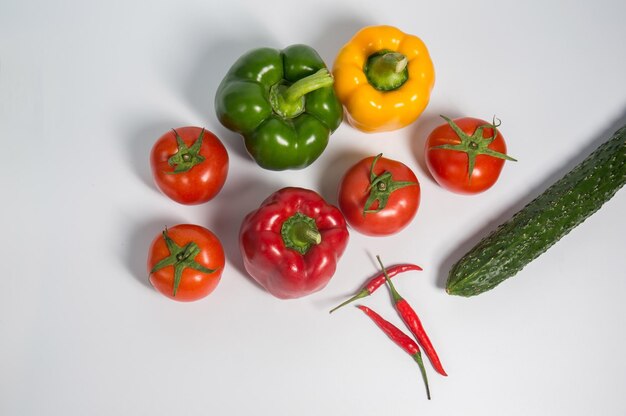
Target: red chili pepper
(377, 281)
(401, 339)
(410, 318)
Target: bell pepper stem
(386, 70)
(300, 233)
(301, 87)
(289, 101)
(391, 62)
(305, 233)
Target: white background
(86, 89)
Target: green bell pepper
(283, 103)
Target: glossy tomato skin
(401, 207)
(450, 168)
(203, 181)
(194, 285)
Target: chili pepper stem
(377, 281)
(418, 358)
(394, 293)
(362, 294)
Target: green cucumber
(541, 223)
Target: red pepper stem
(303, 232)
(394, 293)
(362, 294)
(418, 358)
(300, 232)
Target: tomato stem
(186, 157)
(180, 258)
(474, 144)
(380, 189)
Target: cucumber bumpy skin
(541, 223)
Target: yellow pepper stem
(386, 70)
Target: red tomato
(401, 187)
(450, 168)
(186, 173)
(191, 252)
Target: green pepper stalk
(288, 101)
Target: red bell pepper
(292, 243)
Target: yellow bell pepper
(383, 77)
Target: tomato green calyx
(475, 144)
(300, 233)
(386, 70)
(186, 157)
(288, 101)
(181, 258)
(380, 188)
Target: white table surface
(87, 87)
